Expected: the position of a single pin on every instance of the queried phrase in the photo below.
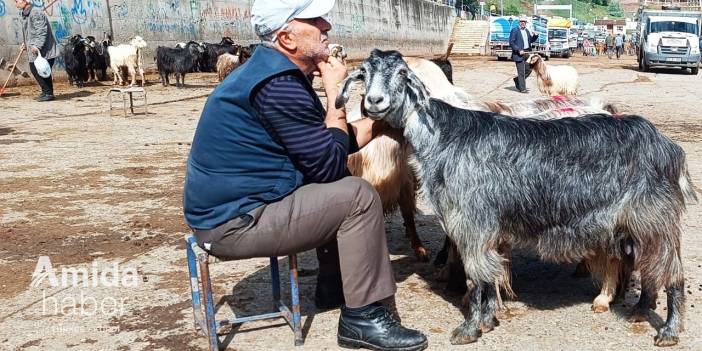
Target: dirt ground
(91, 191)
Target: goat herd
(570, 179)
(573, 180)
(84, 57)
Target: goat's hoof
(666, 337)
(600, 308)
(638, 316)
(422, 254)
(486, 327)
(601, 304)
(465, 335)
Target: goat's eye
(403, 71)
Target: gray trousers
(522, 68)
(349, 210)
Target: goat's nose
(375, 99)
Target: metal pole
(109, 19)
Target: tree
(615, 9)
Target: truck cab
(669, 38)
(559, 37)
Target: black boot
(329, 292)
(373, 327)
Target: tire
(500, 58)
(695, 70)
(642, 64)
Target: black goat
(75, 60)
(246, 52)
(445, 66)
(97, 58)
(178, 61)
(212, 52)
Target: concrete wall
(417, 27)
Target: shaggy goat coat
(568, 188)
(554, 80)
(226, 63)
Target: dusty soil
(90, 190)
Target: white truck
(669, 37)
(559, 37)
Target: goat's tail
(686, 186)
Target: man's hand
(521, 52)
(333, 72)
(23, 47)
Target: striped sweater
(296, 120)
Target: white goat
(128, 56)
(554, 80)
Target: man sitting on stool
(267, 174)
(520, 40)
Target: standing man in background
(520, 40)
(619, 44)
(38, 38)
(610, 44)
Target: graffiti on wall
(78, 12)
(60, 32)
(169, 17)
(121, 10)
(2, 8)
(357, 22)
(229, 21)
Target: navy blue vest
(235, 165)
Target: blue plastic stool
(208, 324)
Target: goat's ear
(417, 88)
(346, 84)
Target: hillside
(585, 11)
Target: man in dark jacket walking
(520, 40)
(38, 38)
(267, 175)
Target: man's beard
(317, 51)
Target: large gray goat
(384, 164)
(596, 187)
